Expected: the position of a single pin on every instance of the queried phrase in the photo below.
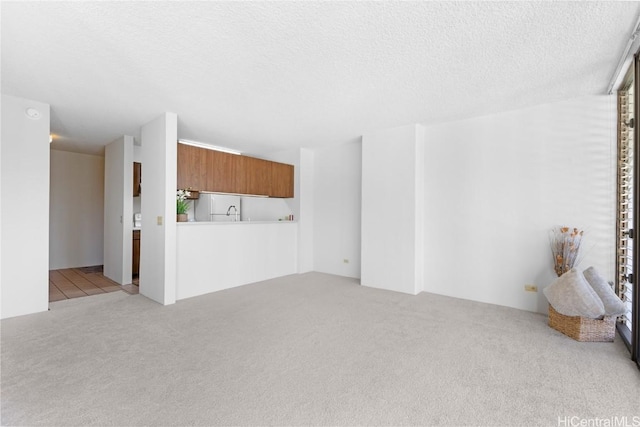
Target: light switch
(159, 220)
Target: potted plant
(182, 206)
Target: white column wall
(158, 237)
(419, 207)
(306, 215)
(337, 172)
(118, 210)
(24, 226)
(392, 213)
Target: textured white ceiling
(270, 75)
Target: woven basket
(583, 328)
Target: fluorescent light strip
(262, 196)
(209, 147)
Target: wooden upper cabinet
(256, 174)
(137, 178)
(209, 170)
(281, 180)
(192, 167)
(222, 172)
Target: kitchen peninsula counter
(212, 256)
(233, 222)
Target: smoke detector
(32, 113)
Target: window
(627, 210)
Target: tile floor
(81, 282)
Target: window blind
(625, 200)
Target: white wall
(137, 153)
(137, 204)
(76, 210)
(306, 213)
(118, 210)
(217, 256)
(392, 211)
(24, 181)
(495, 186)
(158, 238)
(337, 172)
(137, 157)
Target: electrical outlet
(531, 288)
(159, 220)
(346, 261)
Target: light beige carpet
(309, 349)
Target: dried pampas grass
(565, 247)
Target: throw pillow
(613, 306)
(571, 295)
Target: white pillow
(571, 295)
(613, 306)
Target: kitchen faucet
(234, 210)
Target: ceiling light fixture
(209, 147)
(32, 113)
(50, 138)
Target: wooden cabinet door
(135, 267)
(257, 176)
(137, 178)
(281, 180)
(222, 172)
(192, 167)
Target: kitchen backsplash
(263, 209)
(254, 209)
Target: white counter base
(212, 256)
